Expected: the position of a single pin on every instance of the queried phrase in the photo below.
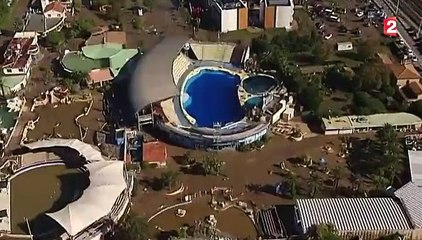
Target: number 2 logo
(390, 27)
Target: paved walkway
(16, 138)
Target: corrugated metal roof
(411, 197)
(353, 214)
(415, 163)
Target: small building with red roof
(155, 153)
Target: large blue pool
(210, 97)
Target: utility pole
(397, 8)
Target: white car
(410, 52)
(359, 13)
(415, 59)
(328, 36)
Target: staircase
(180, 65)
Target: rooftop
(55, 6)
(280, 2)
(107, 37)
(404, 71)
(155, 152)
(38, 23)
(371, 121)
(415, 164)
(230, 4)
(76, 61)
(100, 75)
(412, 90)
(410, 196)
(101, 51)
(16, 54)
(11, 81)
(353, 214)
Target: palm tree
(357, 182)
(336, 174)
(212, 165)
(188, 158)
(293, 185)
(132, 227)
(380, 182)
(169, 178)
(313, 182)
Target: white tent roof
(106, 184)
(86, 150)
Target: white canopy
(86, 150)
(107, 182)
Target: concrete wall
(243, 18)
(284, 17)
(229, 20)
(269, 17)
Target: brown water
(44, 189)
(63, 115)
(232, 221)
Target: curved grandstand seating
(213, 52)
(180, 64)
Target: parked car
(359, 13)
(320, 25)
(357, 32)
(415, 59)
(334, 18)
(328, 36)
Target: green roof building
(111, 56)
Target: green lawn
(338, 103)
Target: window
(9, 70)
(20, 69)
(59, 15)
(48, 15)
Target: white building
(18, 58)
(232, 15)
(276, 13)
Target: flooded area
(199, 210)
(40, 190)
(59, 121)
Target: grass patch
(338, 103)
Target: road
(388, 9)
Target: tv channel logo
(390, 27)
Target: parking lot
(355, 20)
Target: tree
(357, 183)
(55, 39)
(337, 173)
(150, 4)
(416, 108)
(313, 182)
(321, 52)
(310, 97)
(371, 76)
(79, 78)
(365, 104)
(169, 178)
(389, 147)
(323, 232)
(338, 78)
(4, 10)
(380, 182)
(368, 49)
(18, 24)
(293, 183)
(132, 228)
(188, 158)
(212, 165)
(115, 11)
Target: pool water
(254, 102)
(210, 97)
(259, 84)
